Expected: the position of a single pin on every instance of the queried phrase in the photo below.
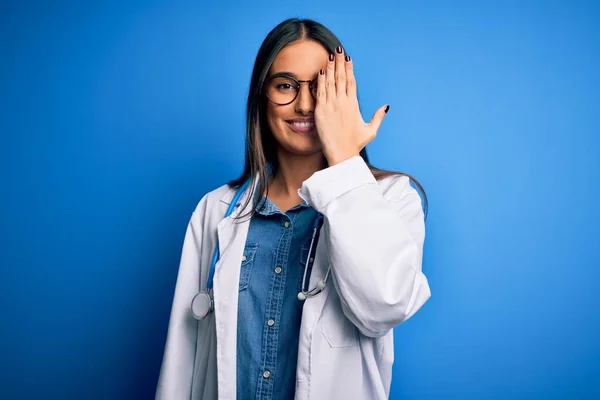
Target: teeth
(304, 124)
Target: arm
(175, 380)
(375, 244)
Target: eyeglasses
(283, 89)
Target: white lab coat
(373, 238)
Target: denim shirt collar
(267, 207)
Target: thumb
(378, 116)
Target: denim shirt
(269, 312)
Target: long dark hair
(261, 145)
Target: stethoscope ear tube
(303, 295)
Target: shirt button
(277, 270)
(267, 374)
(270, 322)
(243, 258)
(286, 224)
(311, 259)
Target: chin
(302, 149)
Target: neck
(293, 170)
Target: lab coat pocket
(247, 263)
(338, 330)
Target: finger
(340, 72)
(330, 77)
(350, 79)
(378, 117)
(321, 89)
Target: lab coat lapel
(232, 236)
(310, 316)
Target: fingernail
(322, 72)
(338, 49)
(387, 108)
(347, 58)
(331, 57)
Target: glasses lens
(282, 90)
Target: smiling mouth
(302, 126)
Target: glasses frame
(298, 82)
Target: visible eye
(285, 87)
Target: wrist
(339, 157)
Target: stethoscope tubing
(203, 302)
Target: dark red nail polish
(331, 57)
(387, 108)
(338, 49)
(322, 72)
(347, 58)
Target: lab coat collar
(228, 196)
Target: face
(293, 124)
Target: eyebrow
(285, 74)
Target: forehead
(303, 58)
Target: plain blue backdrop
(117, 118)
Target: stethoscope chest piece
(202, 304)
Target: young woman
(320, 257)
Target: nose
(305, 103)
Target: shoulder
(214, 200)
(398, 191)
(397, 186)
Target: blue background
(116, 120)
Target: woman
(291, 319)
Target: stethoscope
(203, 302)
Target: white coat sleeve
(175, 380)
(375, 244)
